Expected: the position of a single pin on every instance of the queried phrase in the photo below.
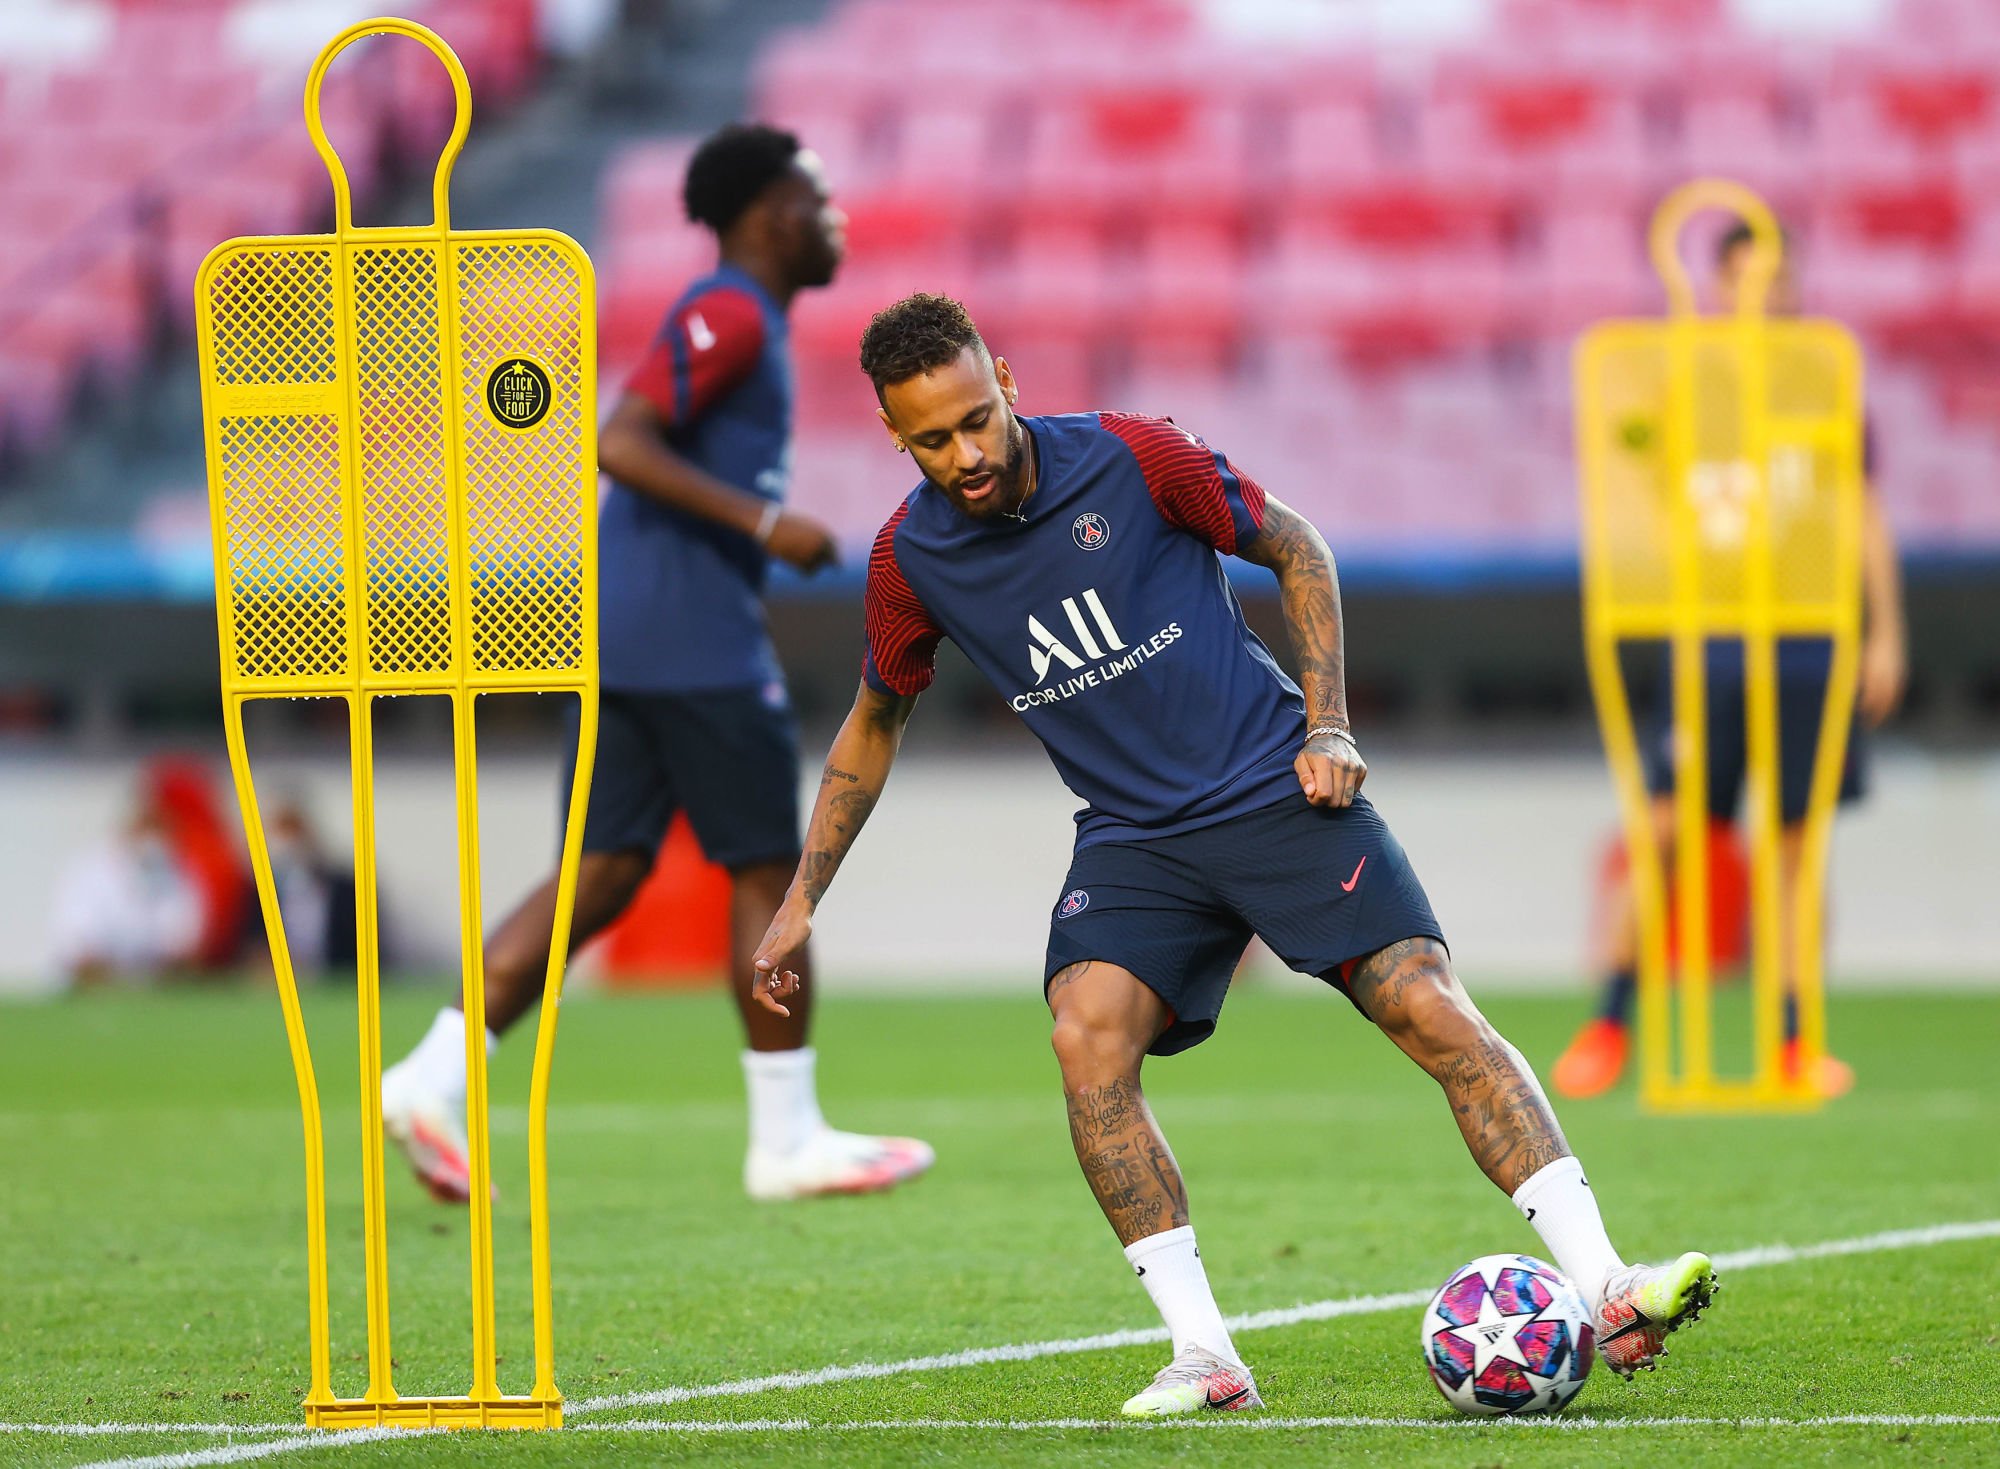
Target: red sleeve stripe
(706, 347)
(720, 336)
(1185, 478)
(902, 639)
(1247, 490)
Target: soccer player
(693, 713)
(1596, 1056)
(1073, 560)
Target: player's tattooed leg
(1105, 1019)
(1410, 991)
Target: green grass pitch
(152, 1259)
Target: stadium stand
(1358, 265)
(134, 136)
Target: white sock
(784, 1099)
(1170, 1266)
(437, 1064)
(1559, 1203)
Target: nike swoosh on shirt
(699, 333)
(1348, 886)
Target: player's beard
(1010, 480)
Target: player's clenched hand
(1885, 672)
(799, 540)
(771, 982)
(1330, 769)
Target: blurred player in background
(1073, 560)
(1596, 1057)
(694, 713)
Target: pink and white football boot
(1196, 1381)
(1641, 1304)
(835, 1163)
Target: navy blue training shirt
(1105, 621)
(680, 597)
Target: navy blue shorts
(1320, 885)
(727, 757)
(1801, 702)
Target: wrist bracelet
(768, 522)
(1331, 729)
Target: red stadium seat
(641, 191)
(1879, 288)
(1077, 298)
(1741, 138)
(939, 143)
(1163, 148)
(821, 73)
(1055, 376)
(1850, 140)
(1330, 144)
(1592, 266)
(1192, 299)
(1900, 208)
(885, 227)
(851, 146)
(1409, 216)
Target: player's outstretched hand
(799, 540)
(771, 982)
(1331, 769)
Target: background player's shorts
(1319, 885)
(727, 757)
(1801, 700)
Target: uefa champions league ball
(1508, 1334)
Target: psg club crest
(1073, 903)
(1090, 531)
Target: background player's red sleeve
(902, 639)
(707, 346)
(1194, 487)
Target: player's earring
(901, 447)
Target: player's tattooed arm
(1409, 990)
(856, 770)
(1330, 766)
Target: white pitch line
(1776, 1254)
(1246, 1424)
(237, 1453)
(1761, 1255)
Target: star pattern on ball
(1493, 1333)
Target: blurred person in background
(185, 794)
(1596, 1057)
(129, 908)
(315, 893)
(694, 713)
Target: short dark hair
(733, 165)
(917, 335)
(1740, 234)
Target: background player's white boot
(795, 1155)
(831, 1162)
(431, 1134)
(423, 1108)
